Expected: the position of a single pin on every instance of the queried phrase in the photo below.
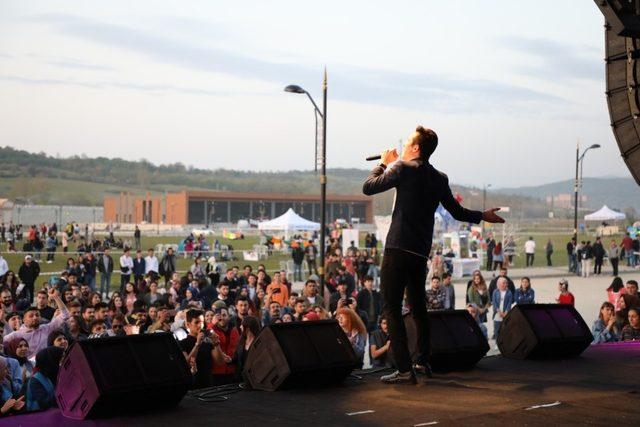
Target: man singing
(420, 188)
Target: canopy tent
(289, 221)
(604, 214)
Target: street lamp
(484, 202)
(323, 159)
(578, 184)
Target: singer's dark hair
(427, 140)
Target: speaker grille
(623, 75)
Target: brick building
(206, 207)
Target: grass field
(15, 260)
(559, 257)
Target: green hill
(42, 179)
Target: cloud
(557, 61)
(148, 88)
(74, 64)
(369, 86)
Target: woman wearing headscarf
(41, 388)
(8, 403)
(58, 339)
(18, 348)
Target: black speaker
(543, 331)
(106, 376)
(457, 343)
(297, 354)
(622, 15)
(623, 99)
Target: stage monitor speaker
(539, 331)
(106, 376)
(457, 342)
(622, 15)
(623, 81)
(298, 354)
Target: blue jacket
(525, 297)
(138, 266)
(495, 301)
(15, 372)
(601, 334)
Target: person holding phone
(224, 369)
(277, 291)
(200, 349)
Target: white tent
(604, 214)
(289, 221)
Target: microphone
(376, 157)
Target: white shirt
(529, 247)
(126, 262)
(150, 264)
(4, 267)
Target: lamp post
(323, 160)
(577, 184)
(484, 202)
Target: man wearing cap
(28, 274)
(33, 332)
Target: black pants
(549, 258)
(489, 260)
(614, 264)
(529, 260)
(30, 289)
(167, 277)
(402, 270)
(597, 267)
(124, 279)
(312, 266)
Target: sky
(510, 87)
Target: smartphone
(277, 291)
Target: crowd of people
(586, 258)
(500, 253)
(215, 315)
(619, 316)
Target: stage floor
(599, 388)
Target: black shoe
(400, 378)
(423, 369)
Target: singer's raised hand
(490, 216)
(389, 156)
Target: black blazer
(420, 188)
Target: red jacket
(228, 343)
